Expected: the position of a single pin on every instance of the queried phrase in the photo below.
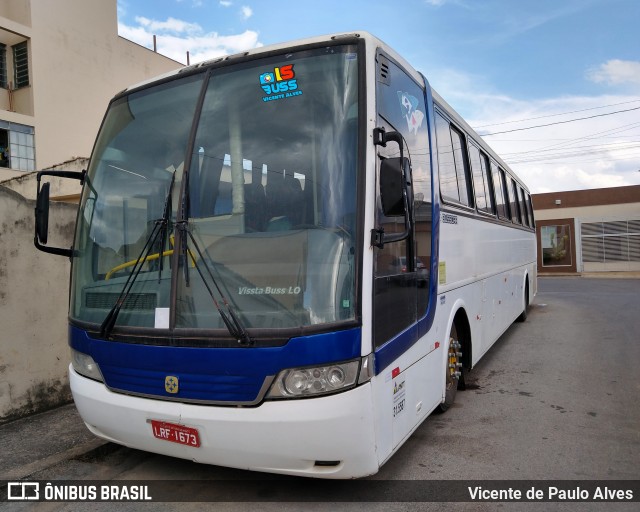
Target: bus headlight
(318, 380)
(85, 365)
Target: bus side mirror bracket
(42, 211)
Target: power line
(598, 135)
(560, 122)
(610, 146)
(560, 156)
(555, 162)
(556, 115)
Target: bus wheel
(453, 371)
(523, 315)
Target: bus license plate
(175, 433)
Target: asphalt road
(556, 398)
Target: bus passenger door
(401, 268)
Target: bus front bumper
(326, 437)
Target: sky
(552, 85)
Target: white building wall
(77, 63)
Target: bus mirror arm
(42, 211)
(379, 237)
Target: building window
(3, 66)
(20, 65)
(556, 245)
(17, 146)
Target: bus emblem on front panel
(171, 384)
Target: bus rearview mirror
(392, 187)
(42, 211)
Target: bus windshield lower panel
(269, 200)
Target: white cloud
(594, 153)
(616, 72)
(225, 3)
(247, 12)
(170, 26)
(122, 8)
(177, 37)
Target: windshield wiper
(160, 228)
(165, 228)
(228, 315)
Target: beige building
(61, 61)
(595, 230)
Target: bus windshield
(262, 185)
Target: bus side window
(530, 209)
(498, 188)
(516, 215)
(455, 183)
(523, 207)
(505, 193)
(481, 179)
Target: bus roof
(280, 46)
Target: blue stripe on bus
(210, 374)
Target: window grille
(3, 66)
(604, 242)
(20, 65)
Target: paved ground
(37, 442)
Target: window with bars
(3, 66)
(20, 65)
(605, 242)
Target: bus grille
(135, 301)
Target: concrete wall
(17, 10)
(601, 212)
(25, 184)
(33, 309)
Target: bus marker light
(85, 365)
(395, 372)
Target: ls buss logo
(279, 83)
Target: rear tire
(524, 314)
(454, 376)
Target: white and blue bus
(286, 259)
